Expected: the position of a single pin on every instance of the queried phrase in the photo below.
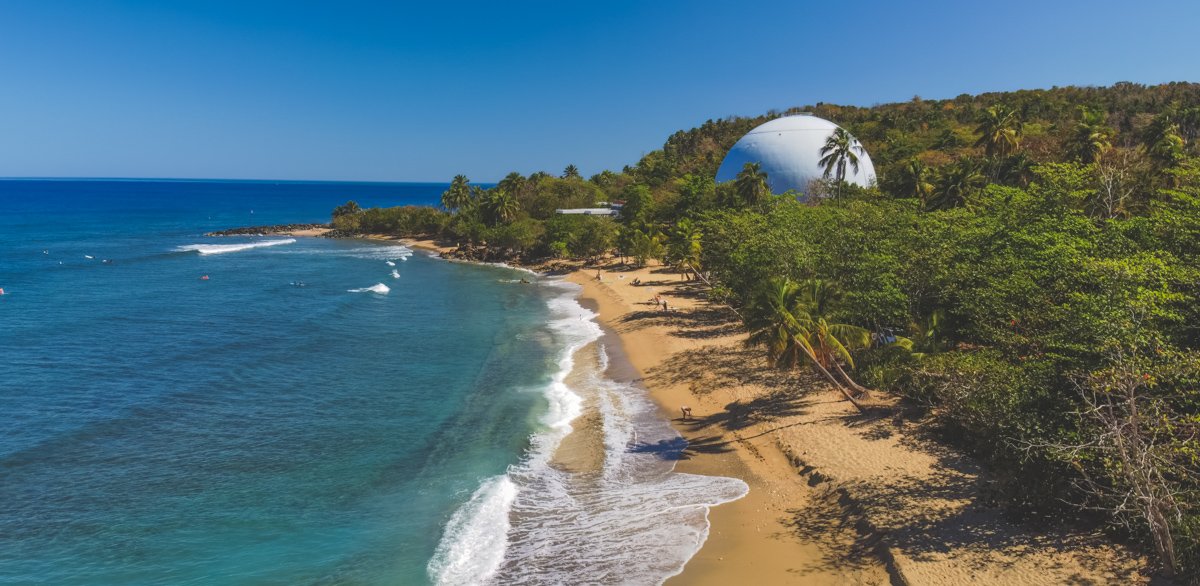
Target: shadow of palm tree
(779, 404)
(680, 448)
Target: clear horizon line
(216, 179)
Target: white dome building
(789, 150)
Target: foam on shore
(634, 521)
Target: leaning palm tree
(458, 195)
(787, 319)
(1000, 129)
(1091, 136)
(841, 150)
(751, 184)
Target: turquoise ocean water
(315, 412)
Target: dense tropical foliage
(1026, 273)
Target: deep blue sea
(315, 411)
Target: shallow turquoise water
(314, 411)
(160, 428)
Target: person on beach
(657, 301)
(598, 275)
(664, 306)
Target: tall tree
(955, 183)
(1091, 136)
(571, 172)
(788, 320)
(1000, 129)
(841, 150)
(1162, 141)
(501, 206)
(684, 247)
(513, 183)
(458, 195)
(916, 180)
(751, 184)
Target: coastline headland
(836, 496)
(277, 230)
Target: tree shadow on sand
(707, 368)
(697, 323)
(681, 448)
(948, 512)
(779, 404)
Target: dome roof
(788, 149)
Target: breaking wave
(379, 288)
(206, 249)
(632, 520)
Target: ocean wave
(395, 274)
(379, 288)
(633, 521)
(474, 543)
(206, 249)
(383, 252)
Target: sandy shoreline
(835, 497)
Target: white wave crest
(379, 288)
(395, 274)
(391, 264)
(473, 545)
(206, 249)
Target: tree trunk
(834, 380)
(862, 391)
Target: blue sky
(419, 92)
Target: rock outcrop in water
(276, 230)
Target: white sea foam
(395, 274)
(206, 249)
(379, 288)
(634, 522)
(391, 264)
(386, 253)
(472, 547)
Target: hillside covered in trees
(1026, 272)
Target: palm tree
(916, 180)
(788, 319)
(645, 245)
(1000, 129)
(571, 172)
(684, 247)
(1092, 135)
(513, 183)
(841, 149)
(956, 182)
(458, 195)
(501, 206)
(1163, 142)
(751, 184)
(1015, 170)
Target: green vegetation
(1026, 274)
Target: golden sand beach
(836, 497)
